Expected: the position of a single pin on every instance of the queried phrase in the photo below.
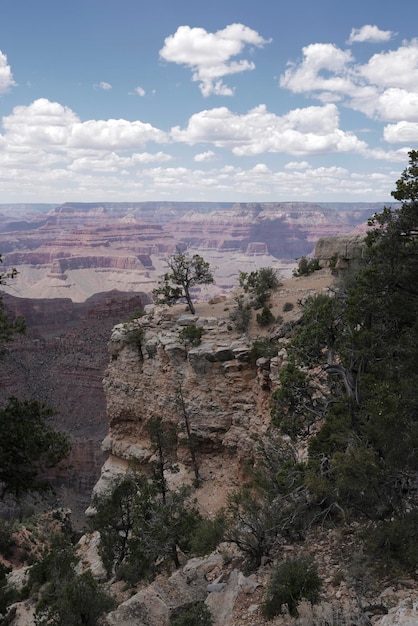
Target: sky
(223, 101)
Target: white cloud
(209, 54)
(114, 135)
(204, 156)
(306, 76)
(103, 85)
(140, 91)
(385, 87)
(297, 165)
(402, 132)
(396, 68)
(6, 77)
(50, 125)
(398, 104)
(43, 123)
(312, 130)
(369, 33)
(112, 162)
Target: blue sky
(221, 101)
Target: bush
(288, 306)
(208, 535)
(394, 545)
(191, 334)
(264, 348)
(306, 267)
(290, 582)
(241, 316)
(265, 318)
(135, 314)
(7, 540)
(197, 615)
(259, 284)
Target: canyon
(83, 267)
(78, 249)
(226, 395)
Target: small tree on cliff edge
(185, 272)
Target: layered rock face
(214, 384)
(76, 250)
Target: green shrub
(7, 541)
(259, 284)
(135, 314)
(394, 545)
(208, 534)
(306, 267)
(288, 306)
(241, 316)
(290, 582)
(264, 348)
(197, 615)
(191, 334)
(265, 318)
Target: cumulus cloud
(369, 33)
(209, 55)
(139, 91)
(6, 77)
(306, 76)
(312, 130)
(113, 135)
(402, 132)
(52, 125)
(385, 87)
(395, 68)
(204, 156)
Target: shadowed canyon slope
(78, 249)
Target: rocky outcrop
(215, 384)
(342, 251)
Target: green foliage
(288, 306)
(191, 334)
(7, 540)
(135, 337)
(135, 314)
(274, 505)
(28, 447)
(393, 546)
(265, 318)
(65, 598)
(241, 315)
(197, 615)
(208, 534)
(297, 402)
(306, 266)
(267, 348)
(141, 529)
(352, 369)
(259, 284)
(291, 581)
(185, 272)
(163, 440)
